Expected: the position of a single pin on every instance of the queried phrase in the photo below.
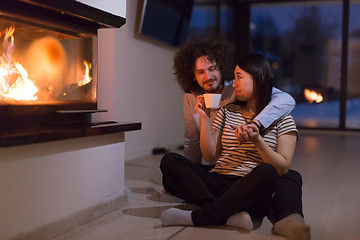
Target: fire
(86, 78)
(312, 96)
(23, 88)
(44, 78)
(14, 81)
(8, 43)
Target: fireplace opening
(41, 67)
(48, 62)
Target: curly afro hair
(218, 51)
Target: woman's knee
(294, 176)
(267, 168)
(268, 171)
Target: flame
(22, 88)
(8, 43)
(86, 78)
(312, 96)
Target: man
(206, 66)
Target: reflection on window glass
(303, 44)
(353, 84)
(204, 20)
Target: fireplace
(48, 68)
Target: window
(302, 41)
(212, 18)
(353, 70)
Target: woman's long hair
(259, 68)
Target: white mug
(212, 100)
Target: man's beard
(212, 88)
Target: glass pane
(353, 84)
(204, 20)
(40, 66)
(303, 43)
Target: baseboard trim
(68, 223)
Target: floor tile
(330, 168)
(223, 233)
(344, 218)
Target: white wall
(139, 87)
(42, 183)
(145, 90)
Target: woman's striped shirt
(238, 159)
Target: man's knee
(171, 160)
(167, 159)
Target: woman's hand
(209, 144)
(200, 107)
(245, 132)
(254, 132)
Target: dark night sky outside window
(303, 42)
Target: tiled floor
(329, 164)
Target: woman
(245, 175)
